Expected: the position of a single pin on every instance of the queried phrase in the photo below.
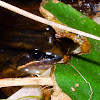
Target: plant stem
(26, 81)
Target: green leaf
(71, 17)
(88, 64)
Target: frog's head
(37, 62)
(46, 51)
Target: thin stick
(45, 21)
(26, 81)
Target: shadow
(86, 59)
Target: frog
(30, 46)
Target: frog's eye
(37, 55)
(34, 55)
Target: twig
(45, 21)
(26, 81)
